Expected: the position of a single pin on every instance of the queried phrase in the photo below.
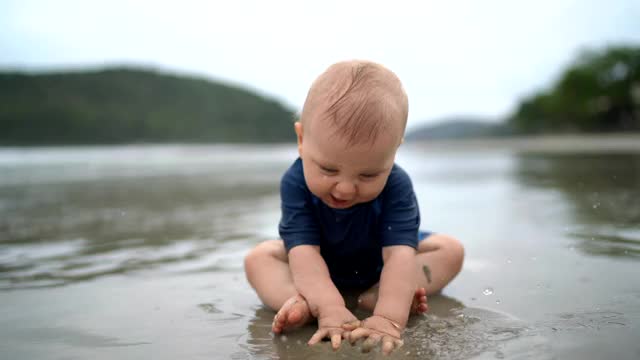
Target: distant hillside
(456, 129)
(124, 105)
(598, 92)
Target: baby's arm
(312, 280)
(397, 288)
(397, 284)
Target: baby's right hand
(330, 322)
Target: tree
(600, 91)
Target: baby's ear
(298, 128)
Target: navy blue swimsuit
(350, 240)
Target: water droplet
(596, 205)
(498, 302)
(283, 338)
(488, 291)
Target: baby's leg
(439, 259)
(267, 269)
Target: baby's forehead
(357, 123)
(330, 136)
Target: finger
(346, 335)
(318, 336)
(351, 325)
(370, 342)
(358, 334)
(336, 341)
(388, 344)
(387, 347)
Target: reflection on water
(67, 217)
(603, 191)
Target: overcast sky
(454, 57)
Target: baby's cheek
(370, 192)
(318, 186)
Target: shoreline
(610, 142)
(581, 143)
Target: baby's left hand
(375, 329)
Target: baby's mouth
(338, 202)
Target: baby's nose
(345, 190)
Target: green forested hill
(126, 105)
(598, 92)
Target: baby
(350, 219)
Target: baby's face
(343, 175)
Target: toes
(293, 313)
(294, 317)
(422, 308)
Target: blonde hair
(361, 99)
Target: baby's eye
(369, 176)
(328, 170)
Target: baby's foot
(419, 304)
(293, 314)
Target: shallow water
(136, 252)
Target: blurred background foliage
(599, 92)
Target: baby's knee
(456, 252)
(452, 247)
(266, 249)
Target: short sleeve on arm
(400, 212)
(298, 224)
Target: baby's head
(351, 125)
